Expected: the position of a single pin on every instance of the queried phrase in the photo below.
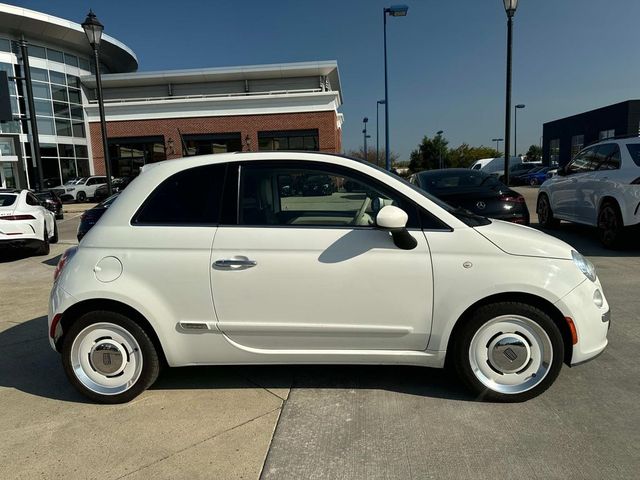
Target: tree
(465, 155)
(428, 153)
(371, 156)
(534, 154)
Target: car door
(566, 191)
(599, 182)
(309, 270)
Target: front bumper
(591, 322)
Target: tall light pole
(515, 128)
(393, 11)
(439, 133)
(497, 140)
(380, 102)
(510, 7)
(365, 120)
(93, 29)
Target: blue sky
(446, 58)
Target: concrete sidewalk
(195, 423)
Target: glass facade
(212, 143)
(59, 111)
(128, 155)
(577, 142)
(289, 140)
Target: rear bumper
(592, 322)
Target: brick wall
(330, 137)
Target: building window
(604, 134)
(289, 140)
(554, 152)
(212, 143)
(577, 142)
(128, 155)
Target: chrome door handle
(235, 262)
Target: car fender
(626, 209)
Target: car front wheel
(508, 352)
(109, 358)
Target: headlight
(70, 189)
(584, 265)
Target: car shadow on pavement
(418, 381)
(28, 364)
(585, 240)
(13, 254)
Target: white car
(599, 187)
(83, 189)
(24, 222)
(223, 259)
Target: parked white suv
(599, 187)
(84, 189)
(237, 259)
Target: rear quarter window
(634, 151)
(190, 197)
(6, 200)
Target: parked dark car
(117, 185)
(521, 177)
(517, 170)
(51, 202)
(315, 185)
(536, 177)
(476, 191)
(91, 216)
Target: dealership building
(151, 116)
(565, 137)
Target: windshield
(74, 181)
(465, 216)
(7, 199)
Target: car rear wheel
(44, 248)
(109, 358)
(508, 352)
(545, 214)
(533, 182)
(610, 225)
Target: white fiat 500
(283, 257)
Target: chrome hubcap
(510, 354)
(106, 358)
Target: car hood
(517, 239)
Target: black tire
(462, 343)
(54, 239)
(150, 360)
(610, 225)
(44, 248)
(533, 182)
(545, 214)
(81, 197)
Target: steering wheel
(360, 216)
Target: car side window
(608, 156)
(583, 162)
(189, 197)
(32, 200)
(302, 194)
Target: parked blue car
(536, 178)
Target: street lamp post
(380, 102)
(510, 7)
(393, 11)
(93, 29)
(497, 140)
(515, 128)
(365, 120)
(439, 133)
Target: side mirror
(394, 219)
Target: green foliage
(534, 154)
(371, 156)
(427, 155)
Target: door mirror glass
(391, 218)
